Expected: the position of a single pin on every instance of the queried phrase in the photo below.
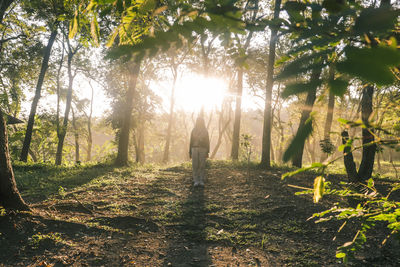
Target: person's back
(198, 150)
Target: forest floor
(147, 216)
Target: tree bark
(123, 140)
(348, 160)
(76, 136)
(223, 126)
(141, 155)
(170, 118)
(9, 194)
(89, 127)
(305, 114)
(369, 147)
(63, 130)
(329, 114)
(31, 120)
(238, 115)
(4, 5)
(267, 126)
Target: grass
(232, 211)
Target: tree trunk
(170, 120)
(238, 115)
(369, 147)
(63, 130)
(89, 127)
(267, 126)
(9, 194)
(31, 120)
(305, 114)
(76, 136)
(4, 5)
(123, 140)
(223, 126)
(329, 114)
(141, 155)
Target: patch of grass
(40, 181)
(38, 239)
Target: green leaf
(376, 19)
(338, 86)
(94, 30)
(147, 5)
(298, 141)
(333, 6)
(315, 165)
(297, 88)
(73, 28)
(319, 186)
(371, 64)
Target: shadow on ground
(189, 245)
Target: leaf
(73, 28)
(371, 64)
(298, 141)
(94, 30)
(370, 182)
(319, 186)
(147, 5)
(338, 86)
(376, 19)
(315, 165)
(334, 6)
(297, 88)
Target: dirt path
(132, 217)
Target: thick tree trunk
(63, 130)
(31, 120)
(267, 127)
(348, 160)
(369, 147)
(9, 194)
(238, 115)
(305, 114)
(123, 140)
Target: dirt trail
(150, 217)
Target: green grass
(40, 181)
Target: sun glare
(195, 92)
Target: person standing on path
(198, 150)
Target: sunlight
(195, 91)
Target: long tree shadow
(188, 246)
(37, 182)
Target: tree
(267, 128)
(49, 12)
(71, 51)
(31, 120)
(9, 194)
(133, 69)
(241, 59)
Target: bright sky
(193, 91)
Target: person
(198, 150)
